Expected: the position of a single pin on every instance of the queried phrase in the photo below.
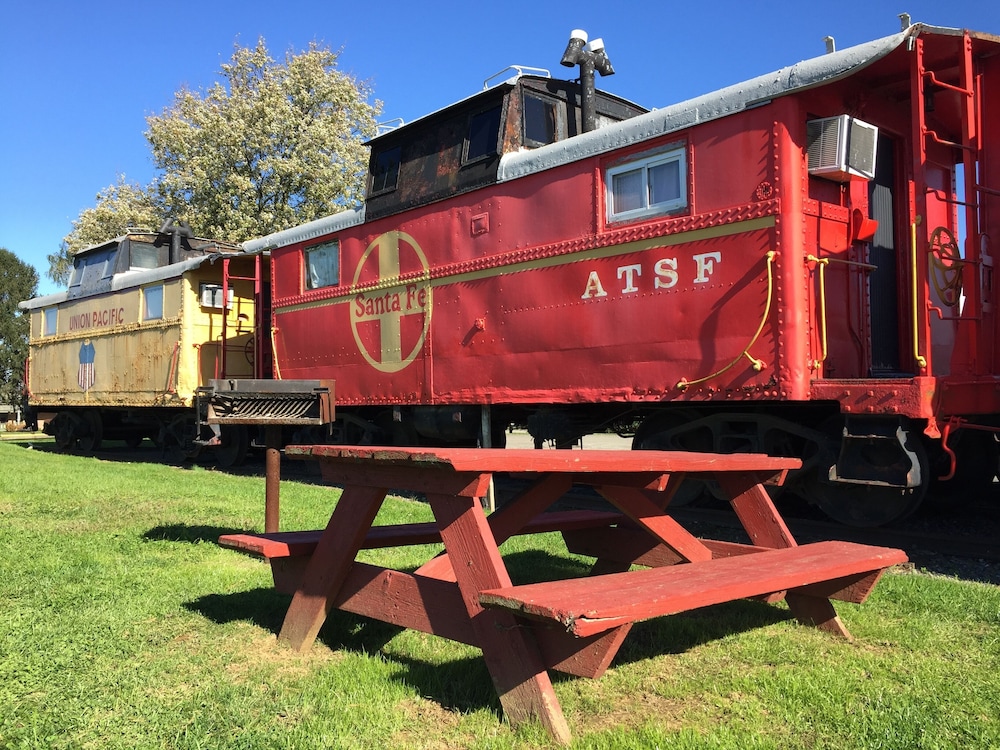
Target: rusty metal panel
(269, 402)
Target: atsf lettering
(103, 318)
(665, 275)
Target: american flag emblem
(85, 375)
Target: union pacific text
(101, 318)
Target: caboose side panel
(537, 290)
(110, 350)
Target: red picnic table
(570, 625)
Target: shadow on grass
(194, 534)
(461, 684)
(464, 683)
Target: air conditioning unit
(841, 148)
(211, 295)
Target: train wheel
(232, 451)
(64, 429)
(664, 432)
(93, 432)
(869, 504)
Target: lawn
(123, 625)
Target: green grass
(123, 625)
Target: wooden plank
(584, 657)
(529, 506)
(511, 656)
(590, 605)
(302, 543)
(509, 519)
(637, 547)
(525, 460)
(406, 600)
(279, 544)
(640, 509)
(756, 510)
(329, 564)
(436, 607)
(853, 589)
(405, 477)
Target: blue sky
(77, 80)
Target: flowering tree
(271, 145)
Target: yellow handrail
(921, 361)
(758, 365)
(274, 358)
(823, 263)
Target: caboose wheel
(64, 430)
(93, 432)
(870, 503)
(232, 451)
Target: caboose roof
(799, 77)
(803, 75)
(129, 280)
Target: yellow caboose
(148, 318)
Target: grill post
(272, 478)
(270, 405)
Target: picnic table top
(528, 460)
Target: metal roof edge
(335, 222)
(49, 299)
(800, 76)
(138, 277)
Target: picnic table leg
(510, 651)
(329, 564)
(510, 519)
(765, 527)
(756, 510)
(818, 612)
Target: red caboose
(800, 265)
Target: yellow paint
(140, 362)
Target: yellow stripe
(597, 253)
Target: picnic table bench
(465, 593)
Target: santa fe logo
(390, 318)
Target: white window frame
(644, 163)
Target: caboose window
(143, 255)
(91, 269)
(152, 302)
(323, 265)
(386, 171)
(484, 132)
(51, 317)
(542, 123)
(652, 185)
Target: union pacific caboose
(146, 321)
